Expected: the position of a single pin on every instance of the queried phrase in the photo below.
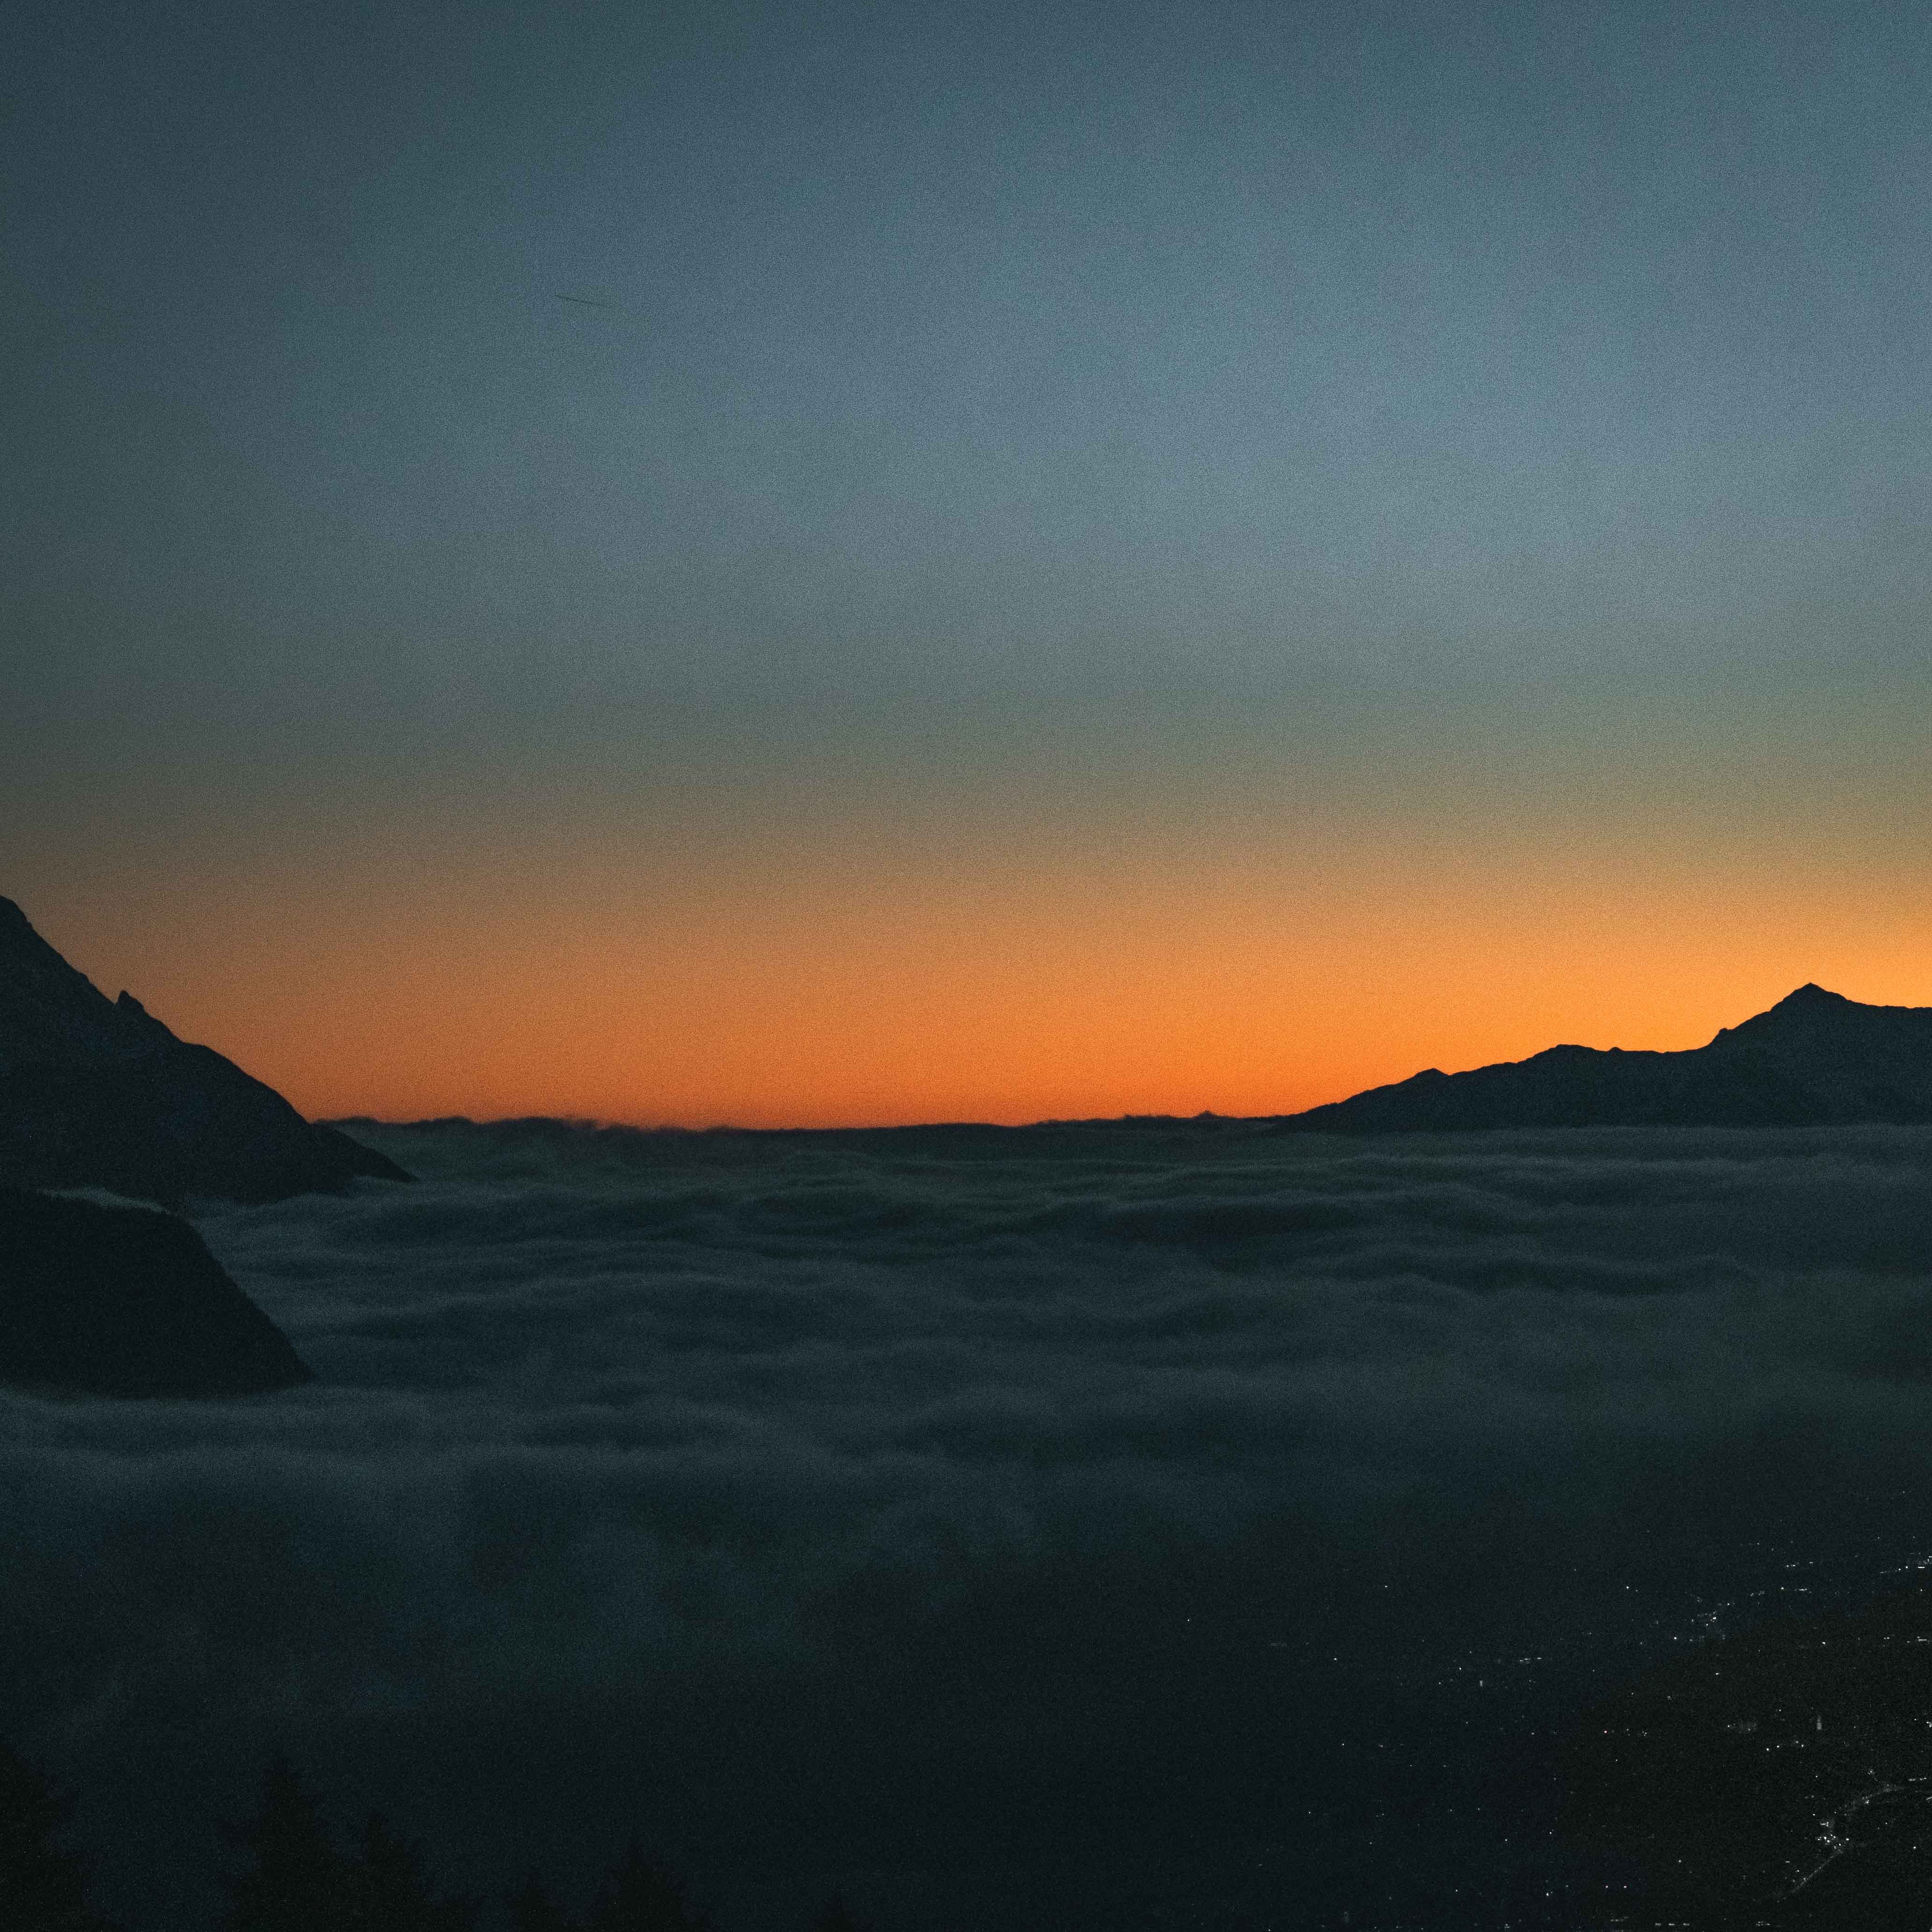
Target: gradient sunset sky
(830, 564)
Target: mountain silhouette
(126, 1301)
(96, 1092)
(1815, 1059)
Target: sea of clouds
(1070, 1526)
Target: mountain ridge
(96, 1092)
(1815, 1058)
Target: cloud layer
(1149, 1511)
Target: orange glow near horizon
(842, 994)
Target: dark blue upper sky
(1068, 345)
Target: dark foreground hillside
(123, 1301)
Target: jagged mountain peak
(49, 1011)
(1812, 1017)
(1815, 1058)
(98, 1092)
(1812, 994)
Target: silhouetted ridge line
(97, 1092)
(1815, 1059)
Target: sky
(866, 563)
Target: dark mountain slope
(122, 1301)
(95, 1092)
(1815, 1059)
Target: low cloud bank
(1153, 1511)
